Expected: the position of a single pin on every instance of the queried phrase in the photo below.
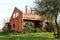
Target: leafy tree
(49, 6)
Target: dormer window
(13, 15)
(17, 14)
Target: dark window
(46, 22)
(13, 25)
(9, 26)
(36, 24)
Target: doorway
(36, 24)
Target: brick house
(19, 19)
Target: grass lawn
(28, 36)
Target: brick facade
(19, 19)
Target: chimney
(26, 9)
(32, 10)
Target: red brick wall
(17, 21)
(32, 16)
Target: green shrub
(28, 28)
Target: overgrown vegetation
(28, 28)
(27, 36)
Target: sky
(7, 7)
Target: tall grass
(27, 36)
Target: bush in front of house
(28, 29)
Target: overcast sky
(7, 7)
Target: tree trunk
(58, 32)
